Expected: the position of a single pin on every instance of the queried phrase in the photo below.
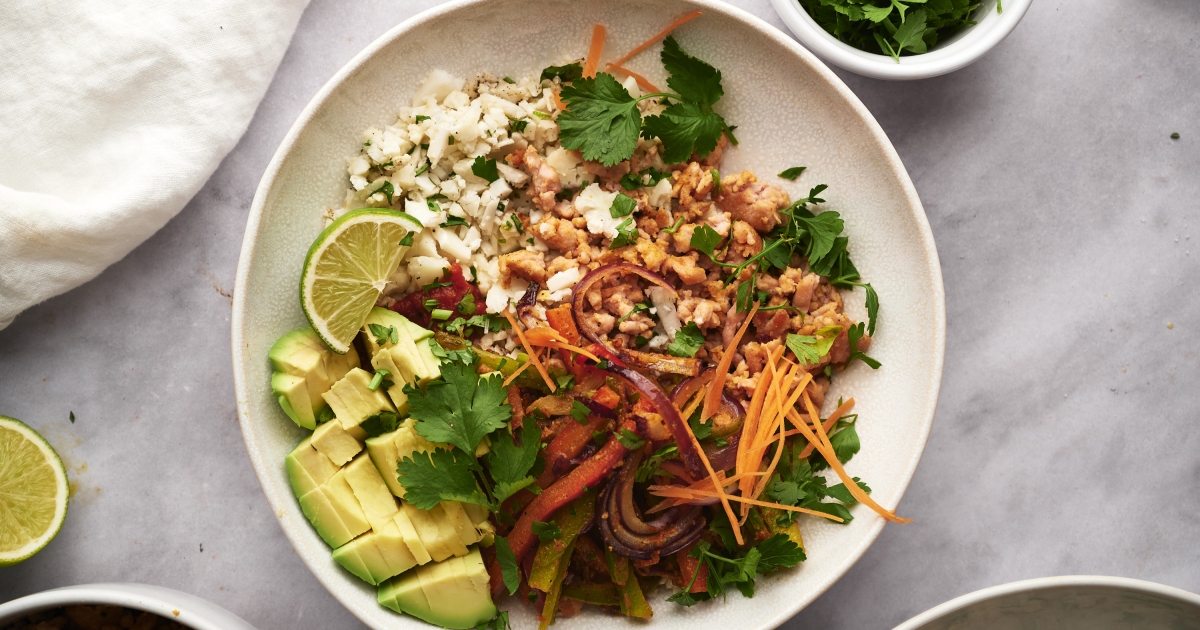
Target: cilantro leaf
(546, 531)
(626, 234)
(383, 335)
(687, 341)
(622, 206)
(822, 231)
(485, 168)
(912, 30)
(510, 464)
(580, 412)
(855, 333)
(630, 440)
(685, 128)
(705, 239)
(785, 492)
(872, 307)
(792, 173)
(691, 78)
(647, 177)
(841, 493)
(602, 120)
(464, 355)
(566, 73)
(778, 552)
(508, 565)
(701, 430)
(846, 444)
(380, 423)
(460, 408)
(430, 478)
(650, 467)
(810, 348)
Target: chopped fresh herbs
(407, 240)
(792, 173)
(892, 27)
(423, 168)
(702, 430)
(72, 417)
(675, 226)
(518, 125)
(855, 333)
(809, 348)
(380, 423)
(454, 221)
(487, 322)
(565, 73)
(441, 314)
(738, 569)
(485, 168)
(508, 566)
(580, 412)
(387, 190)
(509, 80)
(630, 440)
(377, 379)
(705, 239)
(547, 531)
(460, 408)
(542, 115)
(443, 355)
(688, 340)
(384, 335)
(421, 118)
(645, 178)
(467, 305)
(622, 206)
(626, 234)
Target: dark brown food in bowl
(98, 617)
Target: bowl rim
(716, 7)
(1048, 583)
(956, 55)
(185, 608)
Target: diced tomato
(450, 292)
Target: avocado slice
(464, 527)
(338, 444)
(408, 532)
(438, 536)
(372, 494)
(312, 367)
(388, 449)
(362, 558)
(341, 496)
(308, 468)
(383, 361)
(452, 593)
(353, 401)
(336, 523)
(395, 551)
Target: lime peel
(34, 492)
(346, 270)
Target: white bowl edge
(193, 612)
(281, 503)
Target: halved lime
(347, 268)
(33, 492)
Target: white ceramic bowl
(959, 51)
(1071, 602)
(790, 110)
(188, 610)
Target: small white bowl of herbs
(901, 39)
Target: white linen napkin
(113, 114)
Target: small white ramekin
(959, 51)
(188, 610)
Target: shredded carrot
(829, 422)
(762, 483)
(750, 425)
(550, 338)
(780, 383)
(512, 377)
(642, 81)
(533, 358)
(683, 19)
(594, 52)
(821, 441)
(713, 399)
(671, 492)
(737, 531)
(558, 102)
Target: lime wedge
(346, 270)
(33, 492)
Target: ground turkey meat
(752, 201)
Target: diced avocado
(353, 401)
(341, 496)
(338, 444)
(408, 532)
(386, 318)
(468, 531)
(388, 449)
(324, 518)
(313, 369)
(377, 502)
(452, 593)
(395, 551)
(440, 541)
(383, 361)
(308, 468)
(361, 558)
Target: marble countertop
(1066, 440)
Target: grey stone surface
(1066, 439)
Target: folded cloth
(113, 114)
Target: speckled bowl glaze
(790, 110)
(1069, 602)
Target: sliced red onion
(670, 414)
(627, 534)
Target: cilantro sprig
(892, 27)
(603, 122)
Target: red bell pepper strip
(687, 568)
(589, 474)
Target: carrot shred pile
(681, 20)
(550, 338)
(533, 357)
(594, 51)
